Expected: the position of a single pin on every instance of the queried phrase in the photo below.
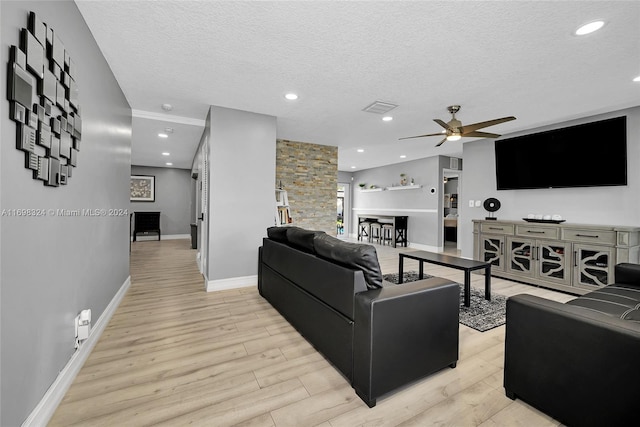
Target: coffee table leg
(400, 265)
(487, 283)
(467, 288)
(420, 270)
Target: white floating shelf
(404, 187)
(371, 190)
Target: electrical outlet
(478, 203)
(470, 203)
(82, 326)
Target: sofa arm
(260, 270)
(403, 333)
(628, 274)
(573, 364)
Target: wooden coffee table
(468, 265)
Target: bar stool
(401, 236)
(364, 229)
(376, 233)
(387, 229)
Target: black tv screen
(587, 155)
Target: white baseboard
(428, 248)
(162, 237)
(232, 283)
(45, 409)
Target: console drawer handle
(535, 232)
(588, 235)
(496, 228)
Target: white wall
(242, 153)
(423, 208)
(618, 205)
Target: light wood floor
(175, 355)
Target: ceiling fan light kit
(454, 130)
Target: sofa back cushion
(295, 236)
(353, 255)
(619, 300)
(279, 234)
(302, 239)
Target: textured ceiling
(494, 58)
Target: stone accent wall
(309, 173)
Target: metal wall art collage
(43, 94)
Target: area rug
(481, 316)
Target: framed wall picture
(143, 188)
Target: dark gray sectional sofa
(577, 361)
(380, 338)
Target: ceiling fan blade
(481, 135)
(441, 142)
(420, 136)
(475, 126)
(443, 124)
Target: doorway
(343, 210)
(202, 209)
(451, 191)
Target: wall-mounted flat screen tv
(588, 155)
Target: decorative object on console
(143, 188)
(403, 179)
(491, 205)
(542, 221)
(43, 94)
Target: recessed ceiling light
(403, 156)
(169, 164)
(167, 107)
(353, 167)
(589, 28)
(166, 154)
(637, 79)
(163, 135)
(360, 150)
(387, 118)
(168, 130)
(291, 96)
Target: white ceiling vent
(379, 107)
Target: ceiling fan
(454, 129)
